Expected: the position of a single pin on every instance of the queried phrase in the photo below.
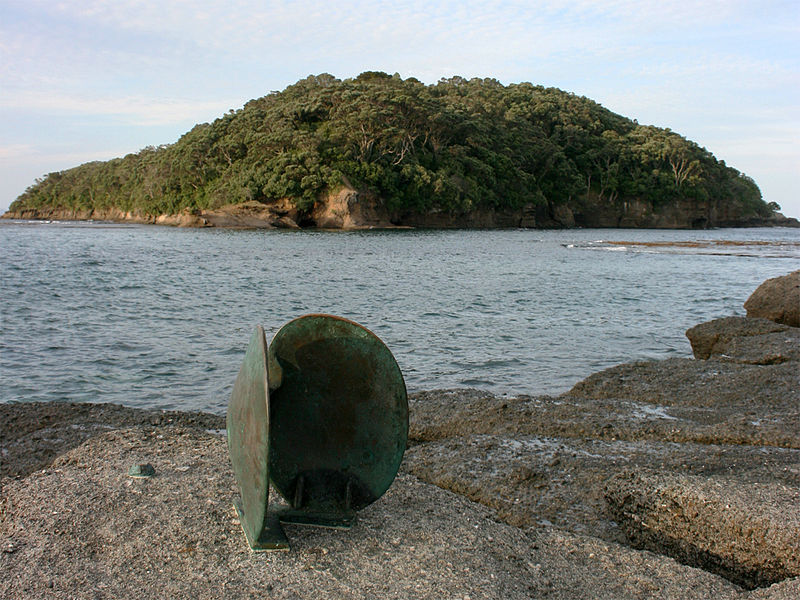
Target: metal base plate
(270, 539)
(317, 519)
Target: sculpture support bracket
(271, 538)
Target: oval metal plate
(338, 414)
(248, 446)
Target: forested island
(381, 151)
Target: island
(380, 151)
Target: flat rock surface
(32, 435)
(720, 400)
(534, 480)
(750, 534)
(542, 461)
(83, 529)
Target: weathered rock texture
(247, 215)
(732, 419)
(750, 534)
(253, 215)
(347, 208)
(663, 479)
(681, 214)
(83, 529)
(730, 336)
(777, 299)
(186, 218)
(33, 435)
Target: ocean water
(160, 317)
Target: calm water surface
(160, 317)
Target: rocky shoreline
(349, 209)
(662, 479)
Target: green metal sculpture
(322, 415)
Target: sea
(160, 317)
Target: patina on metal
(141, 471)
(323, 416)
(248, 446)
(339, 419)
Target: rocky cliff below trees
(380, 151)
(347, 209)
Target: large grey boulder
(777, 299)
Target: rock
(528, 216)
(563, 216)
(33, 434)
(777, 299)
(187, 218)
(367, 211)
(715, 337)
(750, 535)
(531, 481)
(766, 349)
(717, 401)
(711, 402)
(83, 529)
(347, 209)
(249, 215)
(780, 220)
(593, 211)
(481, 217)
(746, 389)
(286, 223)
(541, 459)
(785, 590)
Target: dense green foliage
(454, 145)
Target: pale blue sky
(94, 79)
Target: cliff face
(347, 208)
(248, 215)
(681, 214)
(595, 213)
(184, 219)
